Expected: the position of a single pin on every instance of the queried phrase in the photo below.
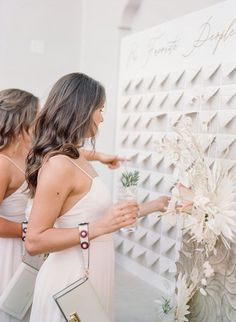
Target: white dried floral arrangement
(208, 210)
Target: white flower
(170, 216)
(208, 270)
(202, 291)
(194, 275)
(204, 281)
(201, 201)
(195, 227)
(208, 199)
(183, 295)
(171, 219)
(223, 200)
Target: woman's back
(11, 208)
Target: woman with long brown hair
(18, 110)
(67, 191)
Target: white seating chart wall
(183, 67)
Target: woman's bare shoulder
(57, 166)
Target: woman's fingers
(130, 203)
(126, 215)
(122, 214)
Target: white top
(13, 206)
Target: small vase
(125, 194)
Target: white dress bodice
(65, 267)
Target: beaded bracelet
(83, 234)
(23, 230)
(84, 244)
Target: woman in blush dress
(67, 191)
(18, 110)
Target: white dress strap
(12, 162)
(88, 175)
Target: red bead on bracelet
(84, 245)
(83, 233)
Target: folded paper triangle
(156, 159)
(145, 197)
(124, 121)
(143, 156)
(168, 246)
(138, 251)
(152, 238)
(211, 70)
(193, 73)
(145, 139)
(124, 138)
(151, 258)
(161, 98)
(138, 82)
(127, 85)
(132, 154)
(210, 93)
(137, 102)
(146, 120)
(134, 120)
(174, 117)
(126, 102)
(176, 97)
(206, 141)
(156, 179)
(150, 82)
(118, 241)
(143, 177)
(206, 117)
(133, 138)
(230, 165)
(176, 76)
(226, 117)
(228, 95)
(161, 79)
(224, 143)
(164, 265)
(228, 69)
(148, 100)
(139, 235)
(126, 246)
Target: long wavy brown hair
(65, 121)
(18, 110)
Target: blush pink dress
(65, 267)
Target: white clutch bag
(79, 302)
(18, 295)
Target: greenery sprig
(129, 179)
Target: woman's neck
(16, 150)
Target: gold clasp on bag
(74, 317)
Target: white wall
(155, 12)
(56, 24)
(101, 43)
(201, 74)
(77, 35)
(100, 59)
